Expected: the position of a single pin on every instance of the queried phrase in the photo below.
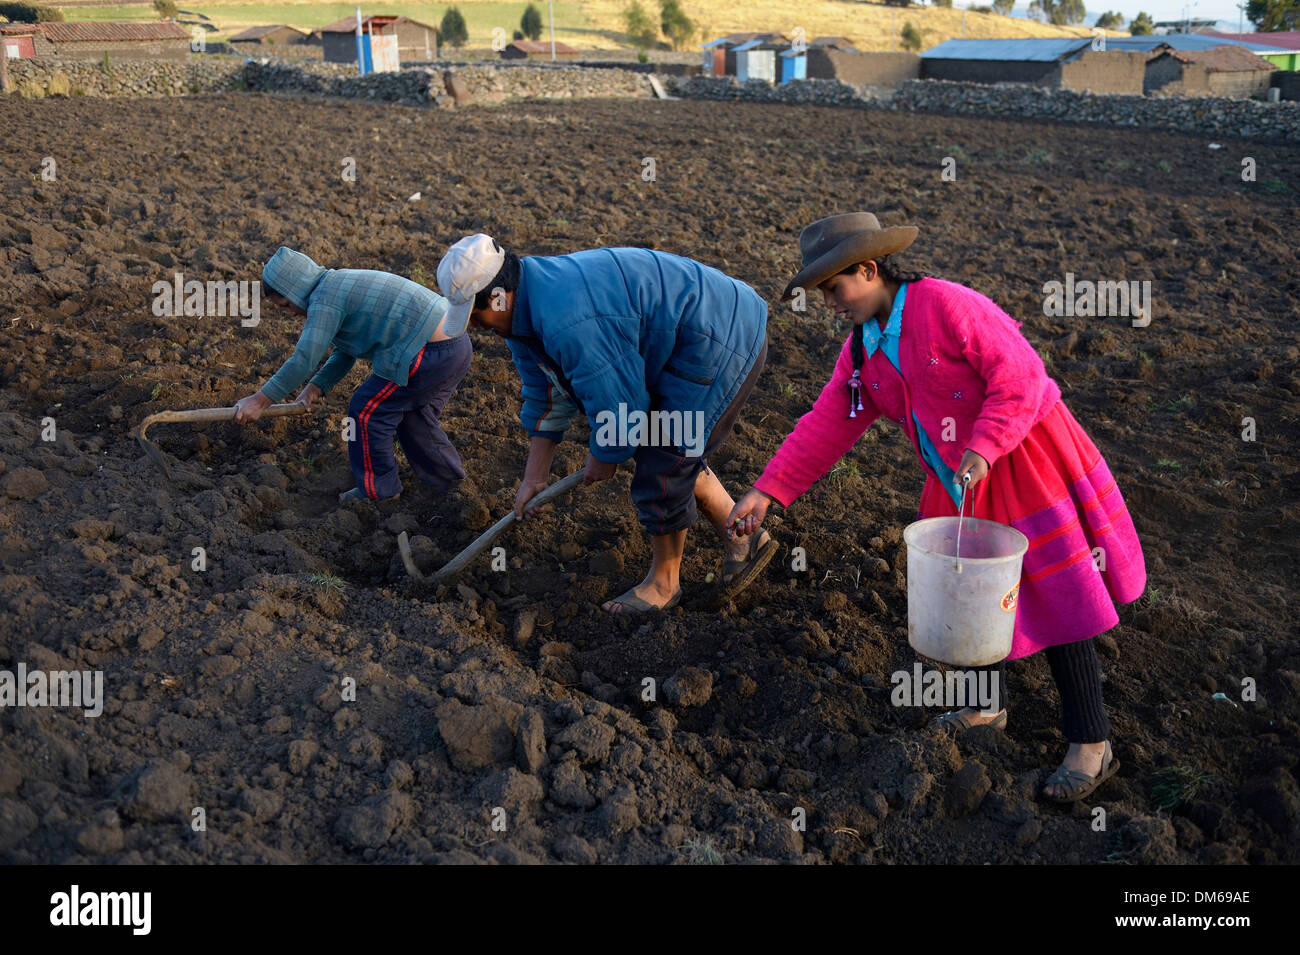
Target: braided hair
(891, 271)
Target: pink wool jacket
(970, 376)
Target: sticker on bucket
(1009, 601)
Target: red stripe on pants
(362, 420)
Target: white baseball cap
(464, 271)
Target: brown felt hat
(832, 244)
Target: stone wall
(815, 92)
(35, 78)
(1210, 116)
(485, 82)
(492, 82)
(1205, 115)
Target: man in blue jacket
(660, 353)
(417, 357)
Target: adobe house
(1053, 62)
(22, 41)
(1102, 71)
(861, 67)
(416, 41)
(277, 34)
(1223, 71)
(537, 50)
(84, 40)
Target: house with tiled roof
(416, 41)
(275, 34)
(85, 40)
(1222, 71)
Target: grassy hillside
(599, 24)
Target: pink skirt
(1084, 556)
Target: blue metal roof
(1183, 41)
(1049, 49)
(1045, 49)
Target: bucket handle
(965, 482)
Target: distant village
(1200, 62)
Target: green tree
(674, 22)
(165, 8)
(1003, 7)
(452, 30)
(942, 3)
(30, 13)
(531, 24)
(638, 26)
(911, 37)
(1271, 15)
(1110, 20)
(1141, 25)
(1059, 12)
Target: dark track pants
(1077, 673)
(383, 408)
(663, 485)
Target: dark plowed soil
(224, 686)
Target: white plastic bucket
(961, 608)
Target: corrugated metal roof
(1288, 39)
(87, 32)
(349, 24)
(1044, 50)
(740, 39)
(1182, 41)
(1049, 49)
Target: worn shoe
(956, 721)
(631, 602)
(356, 494)
(739, 574)
(1075, 785)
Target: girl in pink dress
(952, 369)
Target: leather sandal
(1078, 785)
(739, 574)
(955, 722)
(632, 602)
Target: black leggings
(1078, 679)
